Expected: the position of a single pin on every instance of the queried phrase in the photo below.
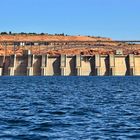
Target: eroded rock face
(94, 45)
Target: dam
(49, 55)
(64, 65)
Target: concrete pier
(44, 65)
(78, 65)
(12, 68)
(131, 65)
(30, 65)
(111, 65)
(97, 64)
(1, 69)
(1, 65)
(63, 65)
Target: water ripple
(69, 108)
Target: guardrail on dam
(45, 65)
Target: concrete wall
(70, 69)
(98, 65)
(86, 68)
(137, 65)
(104, 70)
(53, 66)
(120, 66)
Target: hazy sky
(118, 19)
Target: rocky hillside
(101, 46)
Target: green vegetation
(4, 33)
(30, 33)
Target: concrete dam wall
(43, 55)
(45, 65)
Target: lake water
(69, 108)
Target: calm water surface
(69, 108)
